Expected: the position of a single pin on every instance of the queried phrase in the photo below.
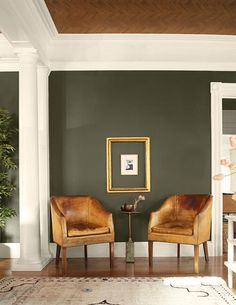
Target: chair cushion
(75, 230)
(175, 227)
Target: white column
(43, 126)
(30, 244)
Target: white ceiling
(27, 24)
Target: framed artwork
(128, 164)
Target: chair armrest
(202, 222)
(59, 227)
(153, 221)
(110, 223)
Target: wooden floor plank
(100, 267)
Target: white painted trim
(9, 250)
(43, 144)
(45, 17)
(219, 91)
(228, 90)
(140, 66)
(9, 65)
(216, 132)
(8, 59)
(12, 250)
(32, 25)
(139, 52)
(195, 38)
(12, 64)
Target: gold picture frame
(146, 142)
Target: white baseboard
(12, 250)
(9, 250)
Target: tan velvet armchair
(182, 219)
(80, 220)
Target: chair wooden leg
(206, 251)
(111, 248)
(85, 252)
(196, 258)
(64, 259)
(178, 250)
(58, 254)
(150, 252)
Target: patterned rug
(115, 291)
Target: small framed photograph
(129, 164)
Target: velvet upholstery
(182, 219)
(80, 220)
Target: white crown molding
(45, 17)
(30, 19)
(142, 52)
(22, 24)
(9, 65)
(33, 24)
(6, 49)
(8, 59)
(147, 37)
(140, 66)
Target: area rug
(115, 291)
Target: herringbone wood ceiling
(144, 16)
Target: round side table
(130, 244)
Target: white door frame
(219, 91)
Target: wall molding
(45, 17)
(9, 65)
(12, 250)
(142, 52)
(140, 66)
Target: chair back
(188, 206)
(77, 208)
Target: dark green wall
(172, 108)
(9, 99)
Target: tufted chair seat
(80, 220)
(182, 219)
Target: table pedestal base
(130, 251)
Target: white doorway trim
(219, 91)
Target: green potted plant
(7, 164)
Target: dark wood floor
(99, 267)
